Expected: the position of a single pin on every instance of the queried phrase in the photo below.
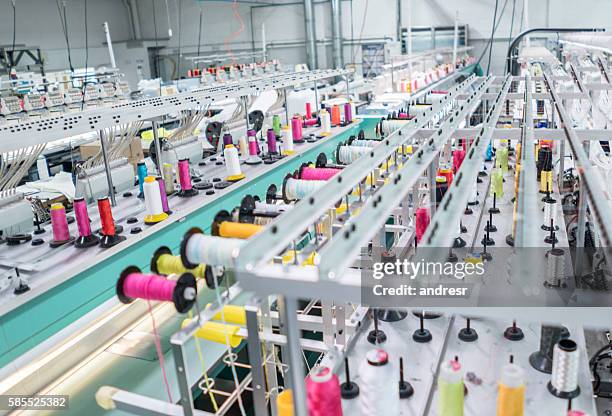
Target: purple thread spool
(348, 113)
(164, 196)
(272, 148)
(227, 139)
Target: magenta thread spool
(85, 238)
(253, 159)
(227, 139)
(323, 393)
(317, 174)
(310, 122)
(185, 179)
(59, 224)
(458, 156)
(308, 111)
(133, 284)
(422, 222)
(164, 196)
(296, 129)
(348, 113)
(272, 147)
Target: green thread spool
(276, 125)
(502, 159)
(450, 389)
(497, 183)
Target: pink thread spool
(296, 129)
(348, 113)
(310, 122)
(422, 222)
(185, 179)
(308, 111)
(323, 393)
(458, 156)
(86, 238)
(133, 284)
(317, 174)
(59, 224)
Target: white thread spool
(325, 121)
(555, 267)
(550, 212)
(216, 251)
(296, 189)
(168, 174)
(244, 148)
(153, 205)
(364, 143)
(390, 126)
(377, 397)
(348, 154)
(263, 208)
(564, 377)
(287, 136)
(232, 163)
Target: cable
(64, 23)
(10, 65)
(512, 23)
(365, 14)
(86, 58)
(226, 41)
(492, 34)
(200, 33)
(178, 55)
(491, 39)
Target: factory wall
(372, 21)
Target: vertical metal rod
(311, 45)
(160, 162)
(582, 211)
(107, 168)
(316, 91)
(327, 315)
(295, 357)
(348, 87)
(282, 328)
(246, 112)
(186, 400)
(253, 344)
(432, 186)
(286, 106)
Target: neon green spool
(276, 125)
(450, 389)
(497, 183)
(501, 156)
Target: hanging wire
(64, 23)
(492, 34)
(512, 23)
(10, 65)
(365, 14)
(85, 82)
(178, 54)
(484, 51)
(200, 33)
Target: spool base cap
(547, 227)
(405, 390)
(376, 337)
(510, 240)
(55, 244)
(482, 173)
(135, 230)
(494, 210)
(490, 228)
(187, 194)
(22, 288)
(549, 240)
(349, 390)
(540, 362)
(422, 337)
(487, 241)
(86, 241)
(154, 219)
(563, 394)
(202, 186)
(514, 334)
(111, 240)
(459, 243)
(39, 231)
(253, 160)
(468, 335)
(486, 256)
(452, 258)
(463, 229)
(478, 180)
(391, 315)
(37, 241)
(235, 178)
(426, 315)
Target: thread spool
(253, 158)
(296, 129)
(546, 181)
(422, 220)
(227, 139)
(387, 127)
(165, 263)
(168, 178)
(85, 238)
(233, 314)
(133, 284)
(564, 378)
(450, 389)
(317, 174)
(153, 204)
(501, 157)
(108, 230)
(162, 193)
(441, 188)
(239, 230)
(323, 393)
(284, 403)
(542, 359)
(335, 116)
(288, 147)
(59, 225)
(376, 398)
(348, 154)
(364, 143)
(308, 111)
(458, 157)
(216, 332)
(497, 183)
(297, 189)
(272, 147)
(555, 267)
(447, 173)
(232, 163)
(184, 175)
(511, 391)
(276, 124)
(348, 113)
(550, 212)
(325, 122)
(141, 170)
(198, 248)
(244, 148)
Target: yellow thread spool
(169, 264)
(216, 332)
(517, 176)
(284, 403)
(511, 393)
(240, 230)
(546, 181)
(233, 314)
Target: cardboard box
(133, 153)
